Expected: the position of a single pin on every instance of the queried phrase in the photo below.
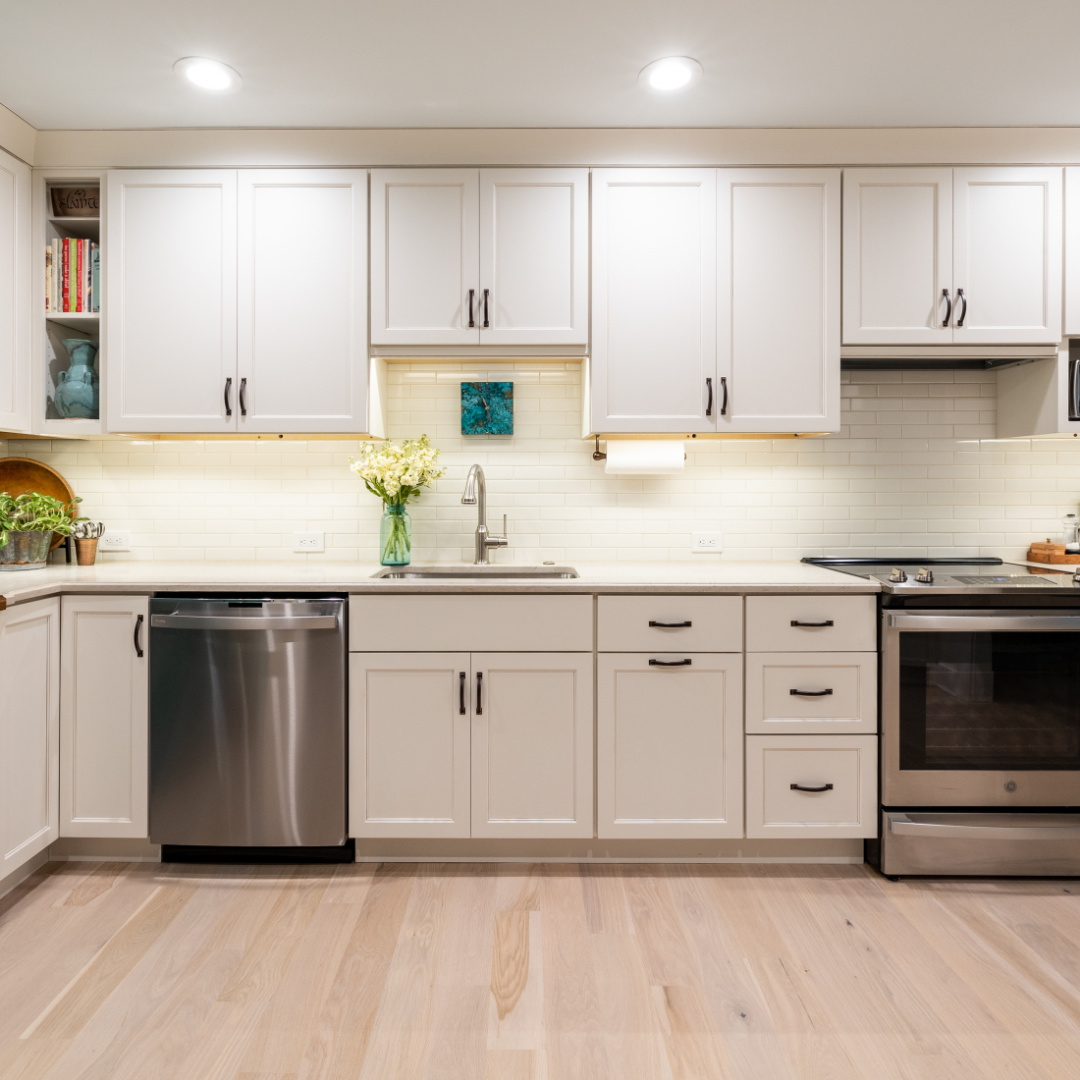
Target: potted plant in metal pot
(27, 524)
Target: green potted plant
(397, 474)
(27, 524)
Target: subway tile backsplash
(915, 469)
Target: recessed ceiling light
(207, 74)
(670, 73)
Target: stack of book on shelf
(73, 276)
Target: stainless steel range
(980, 716)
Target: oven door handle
(983, 622)
(902, 825)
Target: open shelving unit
(53, 327)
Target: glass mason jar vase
(395, 535)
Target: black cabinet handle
(461, 694)
(810, 693)
(487, 324)
(708, 408)
(479, 692)
(135, 636)
(723, 403)
(961, 298)
(670, 625)
(472, 317)
(243, 397)
(796, 622)
(811, 787)
(948, 306)
(228, 397)
(671, 663)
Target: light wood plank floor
(437, 972)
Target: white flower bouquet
(397, 474)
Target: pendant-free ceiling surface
(543, 63)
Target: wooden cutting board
(19, 475)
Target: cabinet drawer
(811, 693)
(480, 623)
(669, 623)
(844, 767)
(811, 623)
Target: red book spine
(80, 298)
(67, 275)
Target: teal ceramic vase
(78, 394)
(395, 535)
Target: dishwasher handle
(240, 622)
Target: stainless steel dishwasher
(247, 724)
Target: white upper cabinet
(1072, 252)
(778, 284)
(425, 256)
(654, 300)
(302, 327)
(488, 257)
(534, 257)
(898, 256)
(952, 256)
(15, 364)
(171, 281)
(1007, 257)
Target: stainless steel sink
(476, 573)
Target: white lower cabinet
(104, 717)
(669, 745)
(446, 745)
(29, 730)
(409, 720)
(532, 742)
(811, 786)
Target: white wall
(915, 467)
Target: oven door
(980, 709)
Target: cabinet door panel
(532, 759)
(409, 744)
(104, 717)
(1007, 255)
(534, 256)
(425, 256)
(302, 328)
(669, 746)
(897, 256)
(654, 300)
(15, 271)
(779, 299)
(170, 334)
(29, 730)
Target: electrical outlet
(308, 542)
(115, 540)
(706, 543)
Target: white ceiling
(543, 63)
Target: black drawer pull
(671, 663)
(796, 622)
(810, 693)
(461, 694)
(135, 636)
(811, 787)
(671, 625)
(479, 693)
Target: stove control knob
(925, 576)
(897, 577)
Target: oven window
(989, 700)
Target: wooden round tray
(19, 475)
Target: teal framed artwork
(487, 408)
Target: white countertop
(139, 577)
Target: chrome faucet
(476, 495)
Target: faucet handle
(504, 525)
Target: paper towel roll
(645, 457)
